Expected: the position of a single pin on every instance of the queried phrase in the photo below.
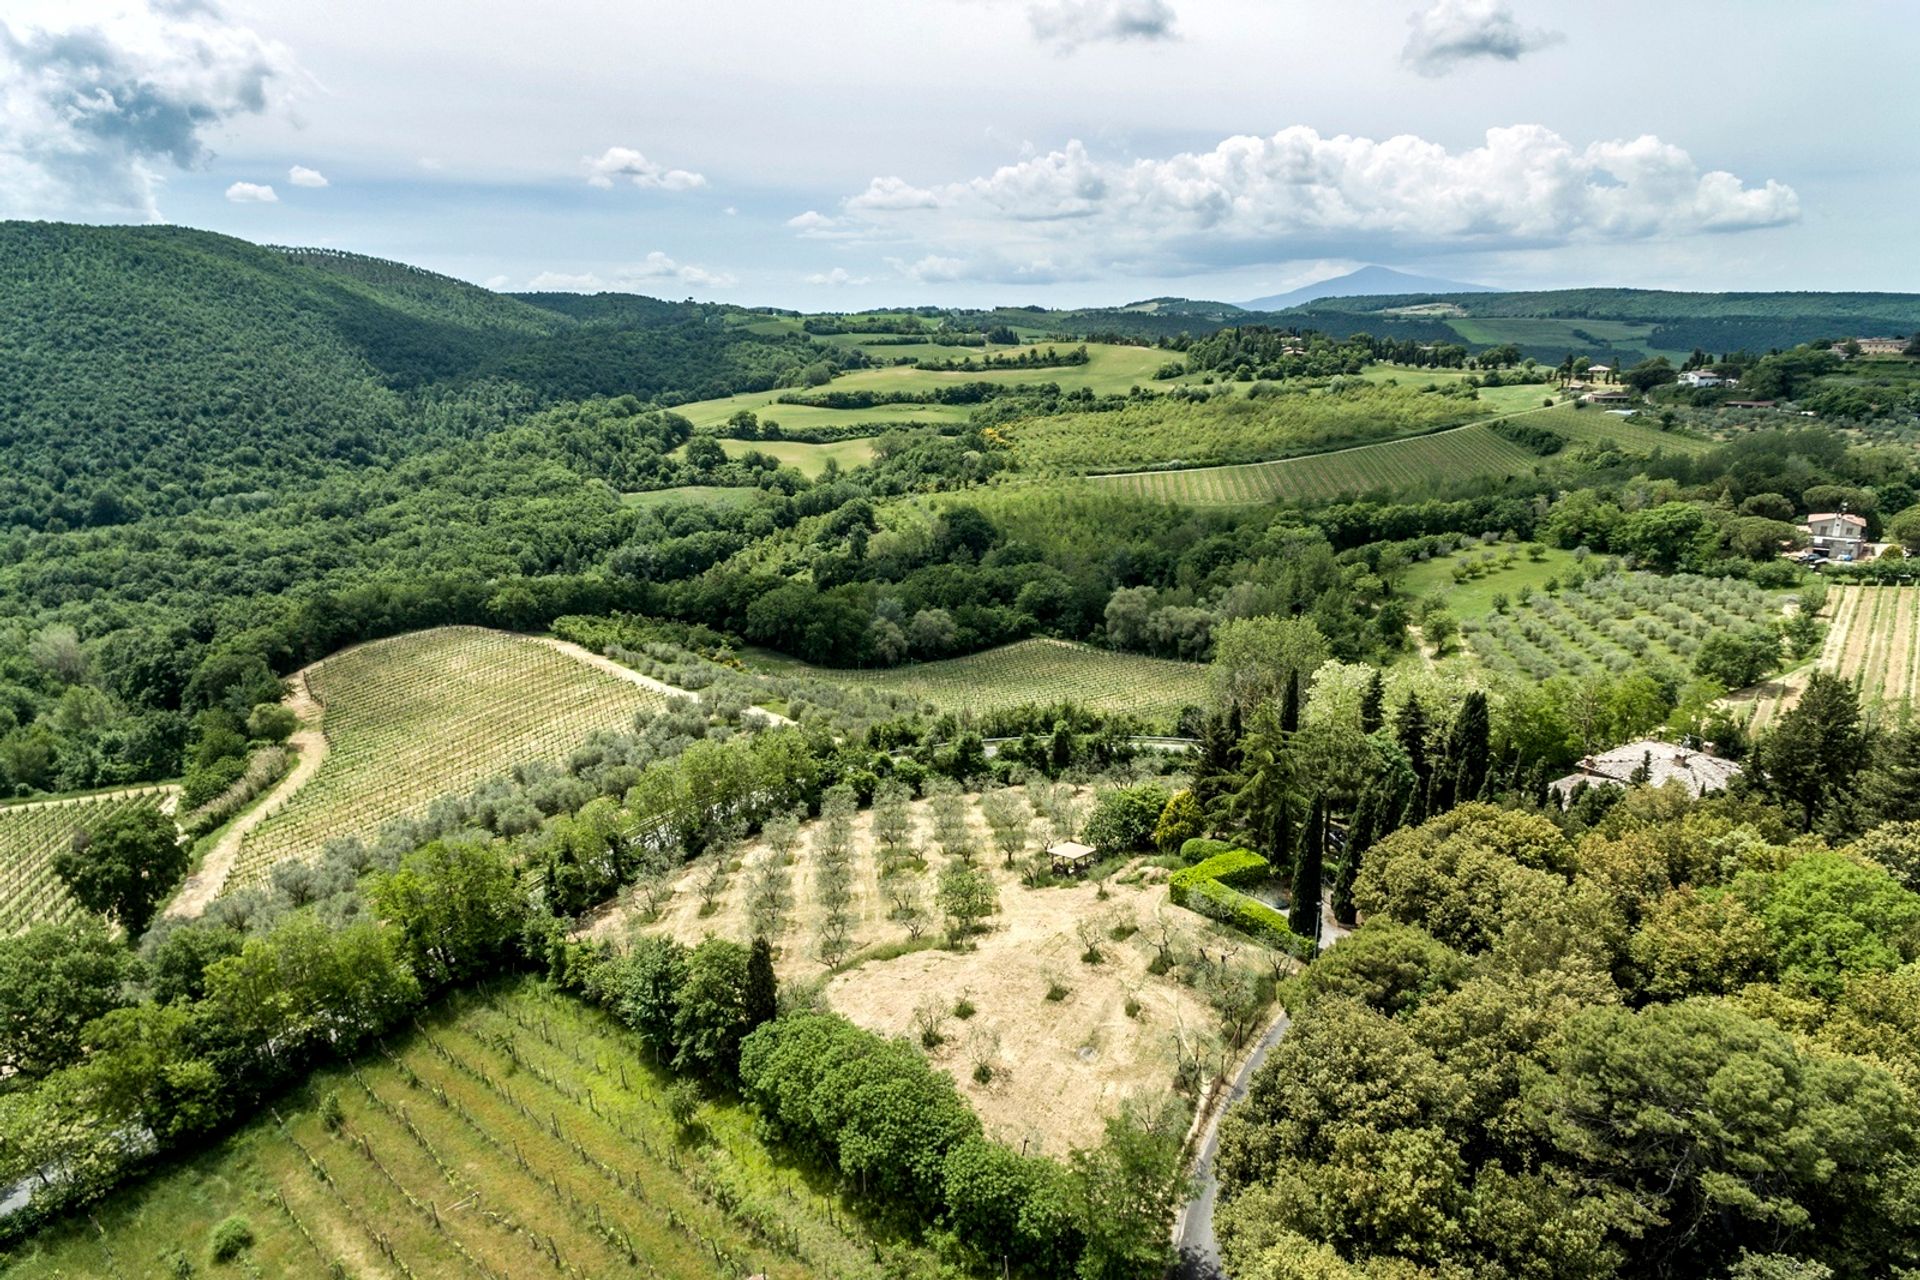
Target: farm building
(1697, 378)
(1882, 346)
(1697, 771)
(1069, 857)
(1836, 533)
(1608, 397)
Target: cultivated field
(1873, 640)
(1614, 622)
(1400, 466)
(699, 494)
(518, 1133)
(809, 459)
(1059, 1067)
(423, 715)
(31, 834)
(1486, 571)
(1030, 671)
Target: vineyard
(1398, 466)
(423, 715)
(1873, 642)
(1612, 623)
(1033, 671)
(518, 1133)
(32, 834)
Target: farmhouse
(1663, 762)
(1608, 397)
(1698, 378)
(1881, 346)
(1836, 533)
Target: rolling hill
(1365, 282)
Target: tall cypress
(1410, 729)
(1303, 909)
(1467, 748)
(1373, 704)
(763, 993)
(1290, 704)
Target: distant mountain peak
(1370, 281)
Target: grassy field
(1504, 569)
(31, 834)
(810, 459)
(517, 1133)
(1615, 621)
(707, 494)
(1110, 369)
(419, 716)
(1873, 641)
(1038, 671)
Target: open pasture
(809, 459)
(422, 715)
(1029, 671)
(516, 1133)
(32, 834)
(1614, 622)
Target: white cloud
(1450, 32)
(301, 176)
(496, 283)
(625, 162)
(932, 269)
(98, 100)
(252, 193)
(1067, 214)
(641, 277)
(1068, 24)
(837, 276)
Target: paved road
(1197, 1254)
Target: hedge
(1200, 848)
(1206, 887)
(1236, 866)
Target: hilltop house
(1698, 378)
(1881, 346)
(1836, 533)
(1663, 762)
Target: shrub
(231, 1237)
(1236, 866)
(1124, 819)
(1199, 849)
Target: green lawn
(810, 459)
(1473, 597)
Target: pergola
(1070, 857)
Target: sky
(832, 154)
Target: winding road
(1196, 1252)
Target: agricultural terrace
(1611, 623)
(1233, 427)
(1110, 370)
(1029, 671)
(32, 834)
(868, 901)
(435, 712)
(1403, 467)
(1872, 641)
(516, 1133)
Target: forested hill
(159, 369)
(1902, 310)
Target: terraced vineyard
(1037, 671)
(1614, 622)
(1873, 640)
(413, 718)
(516, 1134)
(32, 834)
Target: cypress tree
(1468, 748)
(1280, 834)
(1410, 729)
(1303, 910)
(1373, 708)
(1290, 704)
(762, 996)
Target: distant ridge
(1366, 282)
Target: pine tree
(1373, 703)
(1812, 754)
(1303, 909)
(763, 992)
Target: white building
(1697, 771)
(1836, 533)
(1697, 378)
